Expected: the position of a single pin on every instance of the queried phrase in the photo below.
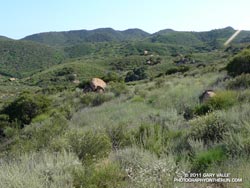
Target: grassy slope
(161, 101)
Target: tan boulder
(98, 85)
(206, 95)
(12, 79)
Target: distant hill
(209, 39)
(4, 38)
(34, 53)
(79, 36)
(22, 58)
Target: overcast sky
(19, 18)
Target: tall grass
(38, 170)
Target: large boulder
(206, 95)
(98, 85)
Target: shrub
(104, 174)
(209, 128)
(157, 139)
(240, 64)
(112, 77)
(89, 146)
(107, 174)
(222, 100)
(26, 107)
(118, 88)
(240, 82)
(39, 170)
(65, 71)
(37, 136)
(206, 159)
(144, 169)
(119, 136)
(99, 99)
(174, 70)
(95, 99)
(136, 74)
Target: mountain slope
(80, 36)
(213, 38)
(207, 40)
(22, 58)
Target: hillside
(169, 36)
(80, 36)
(175, 102)
(4, 38)
(22, 58)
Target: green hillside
(80, 36)
(21, 58)
(151, 124)
(217, 36)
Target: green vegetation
(22, 59)
(147, 127)
(25, 108)
(240, 64)
(136, 74)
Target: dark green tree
(26, 107)
(240, 64)
(136, 74)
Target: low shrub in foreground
(104, 174)
(89, 146)
(206, 159)
(36, 170)
(209, 128)
(145, 169)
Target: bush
(240, 82)
(39, 170)
(206, 159)
(65, 71)
(119, 136)
(136, 74)
(37, 136)
(118, 88)
(240, 64)
(209, 129)
(95, 99)
(89, 146)
(222, 100)
(105, 174)
(26, 107)
(155, 138)
(144, 169)
(112, 77)
(174, 70)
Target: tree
(136, 74)
(240, 64)
(26, 107)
